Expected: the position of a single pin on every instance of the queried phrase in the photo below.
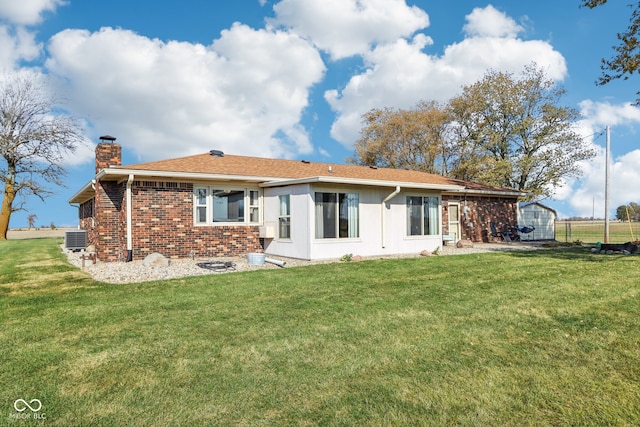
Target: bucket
(255, 258)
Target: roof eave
(196, 176)
(84, 194)
(268, 181)
(358, 181)
(507, 193)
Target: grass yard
(524, 338)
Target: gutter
(360, 181)
(129, 220)
(383, 215)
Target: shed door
(454, 220)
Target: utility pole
(606, 186)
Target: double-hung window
(423, 217)
(284, 217)
(337, 215)
(221, 205)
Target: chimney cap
(108, 138)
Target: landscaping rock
(464, 244)
(356, 258)
(155, 260)
(425, 253)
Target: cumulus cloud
(243, 94)
(345, 28)
(588, 191)
(18, 44)
(400, 73)
(27, 12)
(490, 22)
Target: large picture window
(337, 215)
(224, 205)
(423, 217)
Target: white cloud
(18, 45)
(400, 74)
(27, 12)
(600, 114)
(490, 22)
(244, 94)
(345, 28)
(589, 190)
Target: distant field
(593, 231)
(23, 233)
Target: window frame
(284, 219)
(421, 221)
(208, 205)
(337, 217)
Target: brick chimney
(108, 153)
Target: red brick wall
(110, 221)
(162, 221)
(87, 220)
(108, 154)
(476, 223)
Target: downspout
(384, 201)
(129, 220)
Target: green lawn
(525, 338)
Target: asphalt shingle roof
(243, 166)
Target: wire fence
(593, 231)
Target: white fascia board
(491, 193)
(80, 192)
(195, 176)
(356, 181)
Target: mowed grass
(549, 337)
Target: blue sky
(291, 78)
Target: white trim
(129, 214)
(357, 181)
(182, 175)
(209, 206)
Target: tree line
(505, 130)
(630, 212)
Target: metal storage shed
(543, 218)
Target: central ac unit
(75, 240)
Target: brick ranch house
(214, 204)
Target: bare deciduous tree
(35, 137)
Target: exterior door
(454, 220)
